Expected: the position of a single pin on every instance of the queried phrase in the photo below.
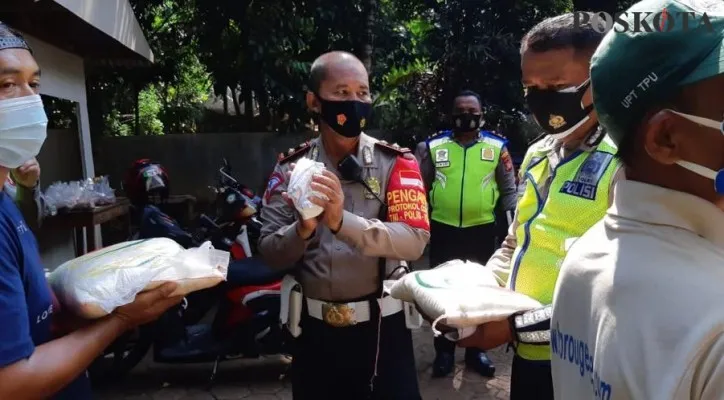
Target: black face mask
(347, 117)
(466, 122)
(559, 112)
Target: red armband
(406, 197)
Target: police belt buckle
(338, 315)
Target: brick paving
(263, 379)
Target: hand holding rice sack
(95, 284)
(460, 294)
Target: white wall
(115, 18)
(63, 76)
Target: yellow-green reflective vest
(464, 191)
(577, 199)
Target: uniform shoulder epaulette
(392, 148)
(493, 136)
(538, 138)
(499, 135)
(437, 134)
(294, 153)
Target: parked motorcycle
(236, 319)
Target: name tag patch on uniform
(487, 154)
(367, 155)
(585, 183)
(442, 158)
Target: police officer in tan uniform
(354, 342)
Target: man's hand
(305, 227)
(148, 306)
(28, 174)
(329, 185)
(489, 336)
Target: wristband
(532, 327)
(341, 221)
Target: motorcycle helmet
(146, 182)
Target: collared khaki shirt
(344, 266)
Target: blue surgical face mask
(716, 176)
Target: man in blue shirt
(33, 363)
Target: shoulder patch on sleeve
(507, 160)
(293, 154)
(275, 180)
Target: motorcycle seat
(249, 293)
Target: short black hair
(469, 93)
(560, 32)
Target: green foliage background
(252, 58)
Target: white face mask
(23, 125)
(716, 176)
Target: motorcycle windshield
(153, 177)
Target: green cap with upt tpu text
(654, 48)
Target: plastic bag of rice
(460, 294)
(95, 284)
(300, 190)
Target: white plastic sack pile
(95, 284)
(460, 294)
(299, 187)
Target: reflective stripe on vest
(577, 199)
(464, 192)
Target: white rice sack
(460, 294)
(299, 187)
(95, 284)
